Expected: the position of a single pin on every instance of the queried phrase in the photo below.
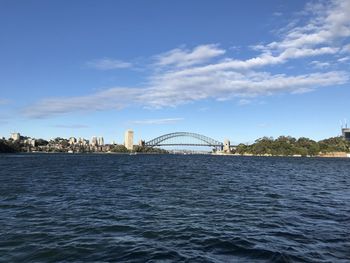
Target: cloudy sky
(226, 69)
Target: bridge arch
(165, 140)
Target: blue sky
(226, 69)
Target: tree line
(288, 146)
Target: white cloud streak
(71, 126)
(4, 101)
(183, 58)
(320, 65)
(343, 59)
(114, 98)
(108, 64)
(184, 75)
(157, 121)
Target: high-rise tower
(129, 139)
(100, 141)
(94, 141)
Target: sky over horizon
(224, 69)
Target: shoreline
(328, 155)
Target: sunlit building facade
(129, 139)
(346, 133)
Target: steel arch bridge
(166, 140)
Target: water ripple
(165, 208)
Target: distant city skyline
(225, 69)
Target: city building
(141, 143)
(30, 141)
(15, 136)
(94, 141)
(346, 133)
(227, 146)
(83, 142)
(129, 139)
(72, 140)
(100, 141)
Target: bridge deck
(184, 144)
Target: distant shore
(265, 146)
(328, 155)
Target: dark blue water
(166, 208)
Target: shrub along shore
(289, 146)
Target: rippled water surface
(172, 208)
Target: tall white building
(15, 136)
(101, 141)
(129, 139)
(227, 145)
(94, 141)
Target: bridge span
(192, 139)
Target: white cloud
(169, 91)
(329, 21)
(344, 59)
(71, 126)
(172, 92)
(346, 49)
(108, 64)
(302, 90)
(184, 76)
(157, 121)
(4, 101)
(278, 14)
(243, 102)
(183, 58)
(264, 59)
(320, 65)
(114, 98)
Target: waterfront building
(346, 133)
(227, 146)
(129, 139)
(100, 141)
(94, 141)
(82, 141)
(72, 140)
(30, 141)
(15, 136)
(141, 143)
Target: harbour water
(173, 208)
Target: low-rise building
(346, 133)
